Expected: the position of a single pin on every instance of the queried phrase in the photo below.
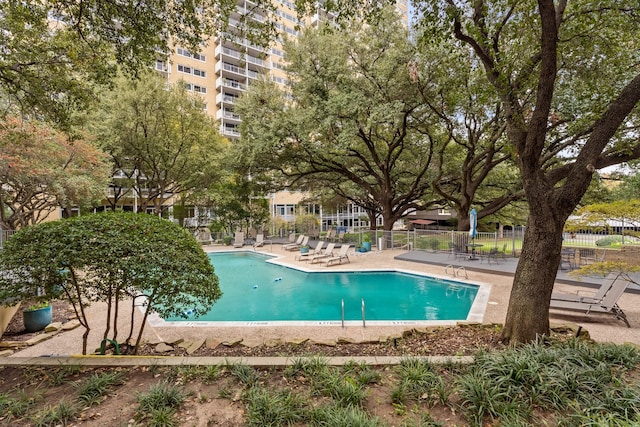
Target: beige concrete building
(227, 65)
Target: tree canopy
(41, 170)
(107, 258)
(56, 51)
(474, 164)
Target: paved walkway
(499, 277)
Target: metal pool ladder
(456, 271)
(364, 322)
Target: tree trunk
(528, 313)
(372, 220)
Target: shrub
(609, 241)
(109, 257)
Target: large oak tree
(567, 77)
(352, 123)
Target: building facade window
(184, 52)
(189, 70)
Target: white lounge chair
(342, 255)
(238, 242)
(316, 251)
(296, 243)
(296, 246)
(328, 252)
(608, 304)
(260, 241)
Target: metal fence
(507, 241)
(435, 240)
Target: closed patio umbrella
(473, 224)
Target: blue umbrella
(473, 224)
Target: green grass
(571, 383)
(19, 406)
(419, 382)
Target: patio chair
(491, 256)
(238, 241)
(608, 304)
(316, 251)
(337, 259)
(587, 256)
(296, 246)
(340, 236)
(297, 243)
(328, 252)
(456, 252)
(260, 241)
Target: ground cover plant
(553, 383)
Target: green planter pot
(36, 320)
(366, 246)
(304, 250)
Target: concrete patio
(499, 276)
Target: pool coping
(475, 315)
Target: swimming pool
(259, 292)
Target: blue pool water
(257, 291)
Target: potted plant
(366, 242)
(304, 249)
(37, 316)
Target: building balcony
(223, 68)
(230, 131)
(227, 116)
(230, 84)
(223, 98)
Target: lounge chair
(331, 235)
(260, 241)
(296, 246)
(594, 297)
(316, 251)
(456, 252)
(342, 255)
(328, 252)
(238, 242)
(297, 243)
(608, 304)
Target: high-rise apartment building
(227, 65)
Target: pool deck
(601, 327)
